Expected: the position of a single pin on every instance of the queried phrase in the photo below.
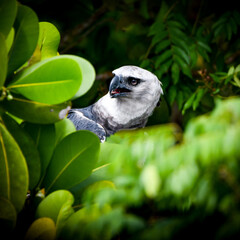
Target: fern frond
(227, 25)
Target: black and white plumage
(133, 94)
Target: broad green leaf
(57, 206)
(51, 81)
(41, 229)
(88, 76)
(27, 147)
(8, 216)
(26, 37)
(73, 160)
(13, 170)
(36, 112)
(9, 39)
(8, 10)
(44, 137)
(48, 40)
(53, 203)
(63, 128)
(3, 60)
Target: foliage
(183, 50)
(162, 178)
(185, 43)
(160, 182)
(39, 148)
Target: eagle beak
(118, 88)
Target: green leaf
(164, 68)
(26, 37)
(181, 53)
(53, 203)
(9, 39)
(231, 70)
(172, 94)
(200, 93)
(204, 45)
(189, 102)
(3, 60)
(27, 147)
(36, 112)
(182, 43)
(175, 73)
(8, 10)
(51, 81)
(162, 45)
(163, 57)
(88, 76)
(151, 180)
(160, 35)
(13, 170)
(44, 137)
(236, 80)
(237, 69)
(63, 128)
(84, 217)
(48, 40)
(8, 216)
(184, 67)
(73, 160)
(57, 206)
(41, 229)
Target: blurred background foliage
(189, 45)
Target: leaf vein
(65, 167)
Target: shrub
(39, 148)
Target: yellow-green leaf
(13, 170)
(42, 229)
(51, 81)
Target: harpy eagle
(133, 94)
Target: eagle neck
(115, 114)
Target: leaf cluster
(163, 178)
(39, 147)
(187, 55)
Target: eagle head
(135, 83)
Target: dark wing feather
(84, 120)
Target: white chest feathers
(124, 112)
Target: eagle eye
(133, 81)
